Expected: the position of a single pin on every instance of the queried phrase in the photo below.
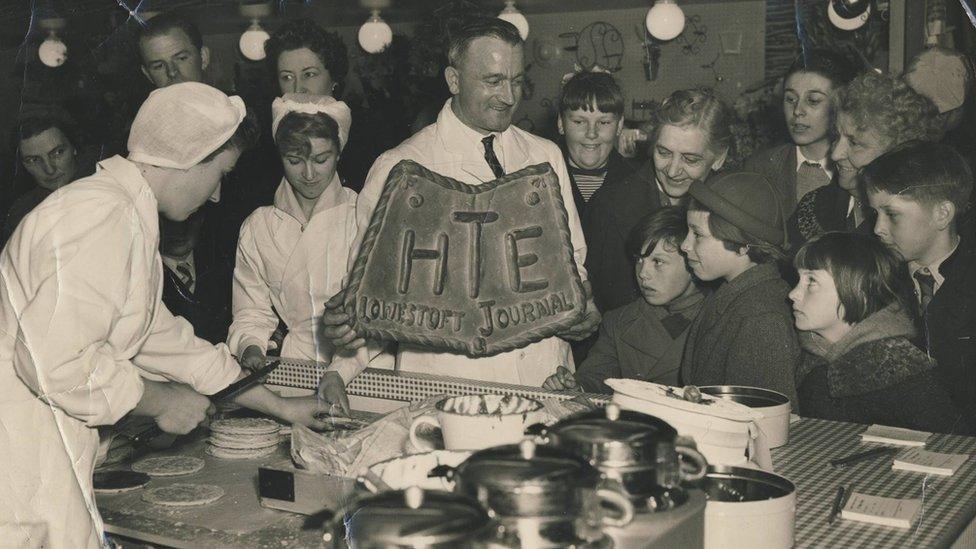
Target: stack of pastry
(243, 438)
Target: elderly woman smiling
(874, 114)
(691, 140)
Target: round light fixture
(848, 15)
(665, 20)
(252, 41)
(375, 35)
(515, 17)
(53, 52)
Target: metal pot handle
(621, 503)
(690, 454)
(429, 420)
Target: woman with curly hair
(874, 114)
(692, 138)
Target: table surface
(238, 520)
(949, 503)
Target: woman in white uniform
(84, 337)
(292, 256)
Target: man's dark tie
(183, 271)
(926, 287)
(496, 166)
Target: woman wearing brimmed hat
(85, 337)
(744, 334)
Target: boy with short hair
(921, 194)
(645, 339)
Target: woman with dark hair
(305, 58)
(692, 138)
(49, 149)
(291, 256)
(803, 164)
(851, 307)
(874, 114)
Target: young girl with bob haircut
(292, 256)
(744, 333)
(851, 309)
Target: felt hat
(747, 201)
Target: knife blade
(225, 394)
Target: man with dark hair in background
(171, 51)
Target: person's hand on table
(562, 380)
(253, 358)
(333, 390)
(590, 321)
(335, 326)
(310, 411)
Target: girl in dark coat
(858, 364)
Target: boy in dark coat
(921, 193)
(851, 307)
(645, 339)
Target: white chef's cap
(179, 125)
(307, 103)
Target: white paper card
(899, 513)
(933, 463)
(895, 435)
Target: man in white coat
(473, 141)
(84, 337)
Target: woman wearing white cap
(291, 256)
(85, 338)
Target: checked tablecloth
(949, 503)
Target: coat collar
(728, 292)
(461, 141)
(286, 202)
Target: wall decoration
(651, 54)
(694, 36)
(598, 43)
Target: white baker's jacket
(293, 264)
(452, 149)
(82, 325)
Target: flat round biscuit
(116, 482)
(243, 443)
(232, 453)
(168, 466)
(245, 426)
(183, 495)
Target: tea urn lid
(525, 465)
(411, 517)
(612, 434)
